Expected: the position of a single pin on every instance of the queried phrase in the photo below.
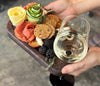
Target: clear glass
(71, 42)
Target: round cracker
(50, 16)
(52, 20)
(52, 31)
(42, 31)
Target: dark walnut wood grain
(58, 64)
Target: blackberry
(48, 43)
(42, 50)
(50, 53)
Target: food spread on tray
(34, 26)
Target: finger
(77, 72)
(73, 67)
(50, 6)
(63, 14)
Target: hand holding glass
(71, 42)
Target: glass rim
(76, 16)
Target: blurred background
(18, 68)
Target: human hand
(62, 8)
(92, 59)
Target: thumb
(72, 67)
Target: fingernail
(64, 70)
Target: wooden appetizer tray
(58, 64)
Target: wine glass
(71, 42)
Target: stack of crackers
(47, 29)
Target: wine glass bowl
(71, 42)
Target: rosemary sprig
(51, 63)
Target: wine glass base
(61, 80)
